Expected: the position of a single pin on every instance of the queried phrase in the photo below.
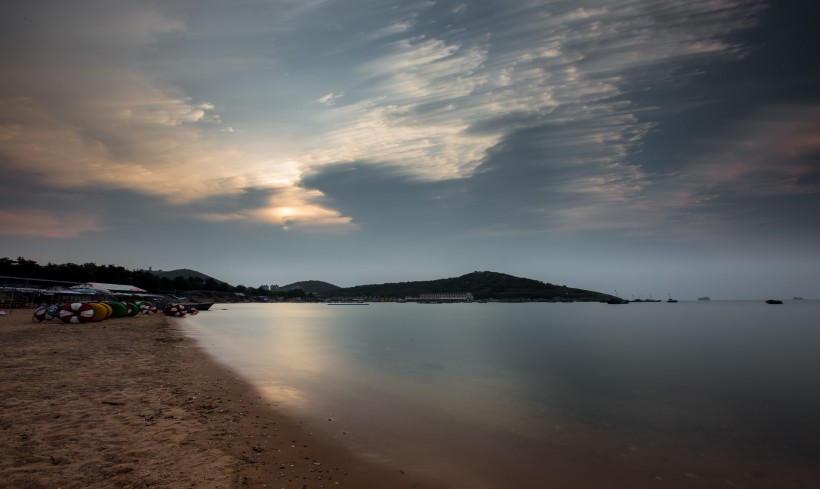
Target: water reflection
(459, 387)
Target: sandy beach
(131, 402)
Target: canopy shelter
(64, 291)
(111, 288)
(19, 297)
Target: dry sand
(131, 402)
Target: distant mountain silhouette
(483, 285)
(185, 273)
(312, 287)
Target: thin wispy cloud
(330, 98)
(441, 100)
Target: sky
(648, 147)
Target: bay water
(496, 395)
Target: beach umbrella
(76, 312)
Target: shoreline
(133, 402)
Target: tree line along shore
(482, 285)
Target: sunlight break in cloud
(288, 207)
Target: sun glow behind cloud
(297, 207)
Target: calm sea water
(693, 394)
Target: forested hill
(483, 285)
(25, 271)
(312, 287)
(185, 273)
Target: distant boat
(704, 298)
(199, 306)
(774, 301)
(670, 299)
(795, 298)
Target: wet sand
(132, 402)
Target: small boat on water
(199, 306)
(774, 301)
(670, 299)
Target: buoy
(76, 312)
(100, 311)
(133, 309)
(108, 309)
(45, 313)
(39, 314)
(177, 310)
(117, 309)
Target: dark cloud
(384, 201)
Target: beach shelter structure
(111, 288)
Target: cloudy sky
(644, 146)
